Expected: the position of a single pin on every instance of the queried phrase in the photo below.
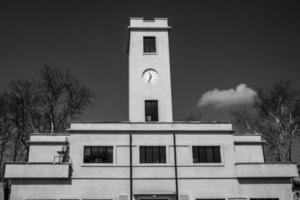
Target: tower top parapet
(141, 22)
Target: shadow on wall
(4, 189)
(264, 181)
(43, 182)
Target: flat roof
(150, 126)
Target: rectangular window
(149, 45)
(264, 199)
(206, 154)
(151, 110)
(152, 154)
(210, 199)
(98, 154)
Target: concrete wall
(233, 188)
(248, 153)
(44, 148)
(257, 170)
(110, 181)
(139, 91)
(37, 170)
(120, 166)
(43, 153)
(73, 189)
(113, 189)
(140, 22)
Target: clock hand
(150, 78)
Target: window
(234, 198)
(264, 199)
(98, 154)
(206, 154)
(149, 45)
(152, 154)
(210, 199)
(151, 110)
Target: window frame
(211, 198)
(157, 106)
(221, 164)
(153, 145)
(155, 43)
(97, 163)
(267, 198)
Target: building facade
(151, 157)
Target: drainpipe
(130, 163)
(175, 166)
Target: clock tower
(150, 96)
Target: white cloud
(241, 95)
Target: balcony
(38, 170)
(264, 170)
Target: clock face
(150, 76)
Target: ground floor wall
(119, 189)
(235, 189)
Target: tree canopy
(44, 105)
(275, 114)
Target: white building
(151, 157)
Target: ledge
(38, 170)
(265, 170)
(152, 127)
(249, 142)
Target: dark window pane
(210, 199)
(202, 154)
(109, 151)
(151, 110)
(156, 155)
(209, 151)
(98, 154)
(206, 154)
(162, 154)
(149, 45)
(217, 154)
(195, 155)
(264, 199)
(142, 155)
(149, 155)
(152, 154)
(87, 154)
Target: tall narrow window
(151, 110)
(206, 154)
(149, 45)
(98, 154)
(152, 154)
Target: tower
(150, 96)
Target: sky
(221, 51)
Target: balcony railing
(38, 170)
(263, 170)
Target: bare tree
(64, 97)
(276, 115)
(38, 106)
(42, 106)
(23, 104)
(4, 130)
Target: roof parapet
(226, 127)
(148, 23)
